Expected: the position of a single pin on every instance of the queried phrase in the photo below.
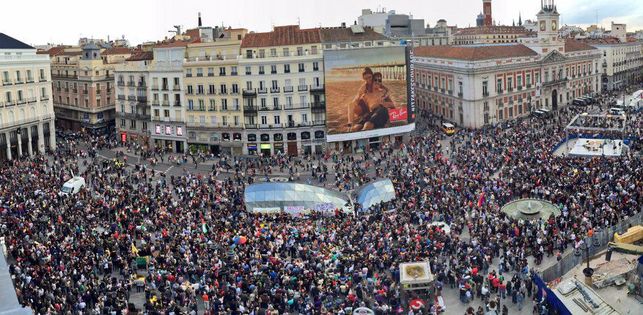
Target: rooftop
(282, 36)
(495, 29)
(8, 42)
(475, 52)
(348, 34)
(117, 51)
(572, 45)
(141, 55)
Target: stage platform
(597, 147)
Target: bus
(448, 128)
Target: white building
(167, 129)
(621, 62)
(376, 20)
(484, 84)
(133, 112)
(26, 107)
(282, 87)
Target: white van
(616, 111)
(72, 186)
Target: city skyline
(143, 21)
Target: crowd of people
(202, 251)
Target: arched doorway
(554, 100)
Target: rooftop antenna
(200, 24)
(298, 22)
(177, 30)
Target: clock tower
(548, 39)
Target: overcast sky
(64, 21)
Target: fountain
(530, 209)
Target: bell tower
(486, 10)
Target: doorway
(554, 100)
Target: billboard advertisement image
(368, 93)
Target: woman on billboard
(370, 106)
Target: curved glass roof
(378, 191)
(293, 198)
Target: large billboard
(369, 92)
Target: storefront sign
(179, 131)
(123, 137)
(267, 146)
(158, 129)
(168, 130)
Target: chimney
(344, 24)
(200, 19)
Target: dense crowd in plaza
(78, 253)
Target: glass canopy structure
(293, 198)
(378, 191)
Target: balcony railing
(131, 98)
(130, 83)
(275, 90)
(176, 87)
(301, 88)
(317, 88)
(142, 99)
(120, 83)
(318, 105)
(155, 87)
(250, 109)
(262, 91)
(249, 92)
(121, 97)
(288, 89)
(165, 103)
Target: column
(41, 139)
(52, 136)
(29, 147)
(19, 136)
(8, 137)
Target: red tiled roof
(572, 45)
(193, 33)
(53, 51)
(282, 36)
(345, 34)
(141, 55)
(117, 51)
(475, 52)
(496, 29)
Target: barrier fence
(597, 243)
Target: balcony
(450, 92)
(176, 87)
(165, 103)
(302, 88)
(85, 91)
(234, 92)
(165, 88)
(264, 108)
(317, 88)
(316, 106)
(276, 107)
(42, 79)
(29, 80)
(4, 83)
(262, 91)
(155, 102)
(142, 99)
(288, 89)
(44, 98)
(460, 94)
(223, 92)
(234, 73)
(131, 98)
(520, 88)
(554, 82)
(177, 103)
(66, 89)
(275, 90)
(499, 91)
(121, 97)
(249, 92)
(98, 92)
(250, 109)
(155, 87)
(131, 83)
(74, 90)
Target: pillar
(19, 136)
(8, 137)
(29, 146)
(41, 139)
(52, 136)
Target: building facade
(133, 92)
(26, 108)
(282, 81)
(489, 35)
(213, 94)
(476, 85)
(83, 86)
(167, 127)
(621, 62)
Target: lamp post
(588, 271)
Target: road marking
(167, 170)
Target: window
(264, 120)
(248, 70)
(199, 89)
(262, 53)
(212, 106)
(304, 118)
(224, 104)
(233, 70)
(42, 74)
(188, 72)
(301, 67)
(235, 88)
(286, 52)
(519, 82)
(211, 89)
(222, 71)
(190, 104)
(210, 72)
(277, 120)
(499, 86)
(313, 50)
(273, 52)
(485, 88)
(315, 66)
(286, 68)
(300, 51)
(224, 89)
(199, 72)
(273, 69)
(261, 70)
